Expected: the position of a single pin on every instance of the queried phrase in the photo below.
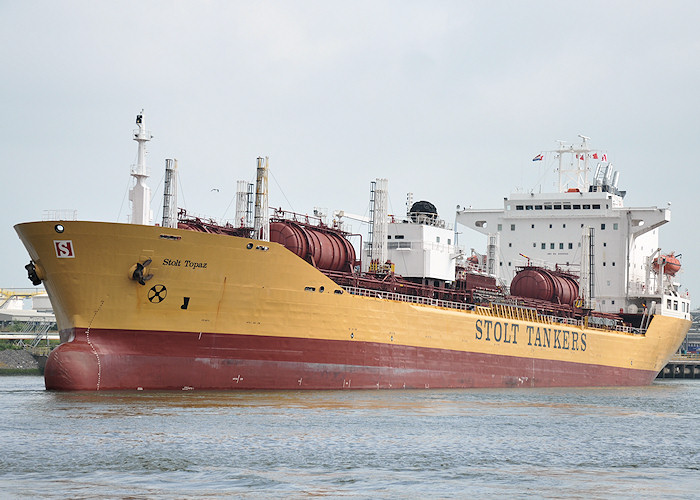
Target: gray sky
(449, 100)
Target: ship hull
(223, 312)
(117, 360)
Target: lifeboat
(542, 284)
(669, 262)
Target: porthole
(59, 228)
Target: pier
(682, 367)
(686, 365)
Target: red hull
(128, 360)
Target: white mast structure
(261, 225)
(379, 213)
(241, 203)
(577, 169)
(170, 194)
(140, 194)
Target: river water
(551, 443)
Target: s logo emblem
(64, 249)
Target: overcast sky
(448, 100)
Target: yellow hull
(228, 288)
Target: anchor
(32, 275)
(138, 272)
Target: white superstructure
(421, 246)
(548, 229)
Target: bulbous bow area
(72, 366)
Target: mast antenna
(140, 194)
(576, 171)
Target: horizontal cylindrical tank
(322, 247)
(671, 264)
(539, 283)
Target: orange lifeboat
(669, 262)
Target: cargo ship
(571, 289)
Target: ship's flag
(605, 157)
(538, 158)
(595, 156)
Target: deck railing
(507, 311)
(379, 294)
